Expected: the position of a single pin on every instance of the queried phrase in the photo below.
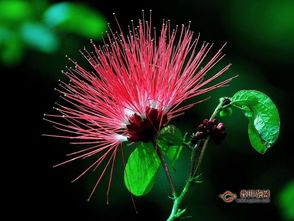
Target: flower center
(145, 129)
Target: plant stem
(176, 212)
(203, 149)
(165, 168)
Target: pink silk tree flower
(137, 85)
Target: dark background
(260, 45)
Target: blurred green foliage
(11, 47)
(75, 18)
(15, 11)
(39, 37)
(39, 26)
(286, 201)
(266, 25)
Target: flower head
(137, 84)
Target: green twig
(195, 165)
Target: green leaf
(39, 37)
(170, 142)
(75, 18)
(141, 169)
(264, 121)
(15, 11)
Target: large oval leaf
(141, 169)
(264, 120)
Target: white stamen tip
(154, 104)
(121, 138)
(129, 112)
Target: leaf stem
(176, 212)
(165, 168)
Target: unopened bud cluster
(211, 128)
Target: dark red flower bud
(218, 133)
(205, 122)
(201, 135)
(221, 126)
(209, 128)
(211, 123)
(201, 127)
